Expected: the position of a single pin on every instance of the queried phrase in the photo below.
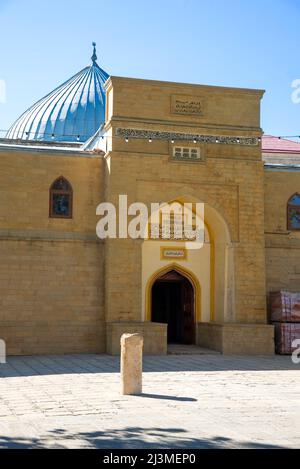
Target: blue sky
(239, 43)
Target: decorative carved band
(198, 138)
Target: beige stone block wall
(230, 179)
(282, 246)
(51, 297)
(151, 100)
(154, 334)
(123, 280)
(209, 336)
(25, 179)
(251, 339)
(51, 270)
(234, 187)
(237, 339)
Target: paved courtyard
(189, 401)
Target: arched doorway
(173, 303)
(211, 269)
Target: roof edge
(226, 89)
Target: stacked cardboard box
(285, 315)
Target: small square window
(186, 153)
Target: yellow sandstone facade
(63, 290)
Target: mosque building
(96, 137)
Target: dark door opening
(173, 304)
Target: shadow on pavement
(171, 398)
(73, 364)
(129, 438)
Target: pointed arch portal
(173, 303)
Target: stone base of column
(237, 339)
(154, 334)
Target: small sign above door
(173, 253)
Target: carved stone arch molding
(223, 199)
(222, 254)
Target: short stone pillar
(131, 363)
(2, 351)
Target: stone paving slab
(181, 349)
(190, 401)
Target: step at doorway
(182, 349)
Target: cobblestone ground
(203, 401)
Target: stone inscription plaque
(186, 105)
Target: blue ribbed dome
(72, 112)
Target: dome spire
(73, 112)
(94, 56)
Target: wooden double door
(173, 304)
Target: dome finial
(94, 56)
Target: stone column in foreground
(2, 351)
(131, 363)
